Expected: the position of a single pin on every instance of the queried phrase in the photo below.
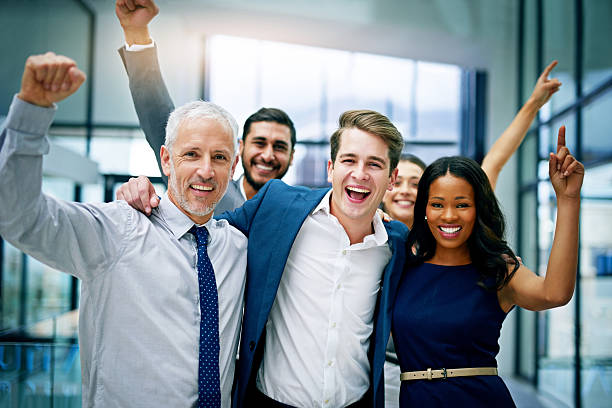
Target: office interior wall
(35, 27)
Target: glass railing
(40, 365)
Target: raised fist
(135, 14)
(49, 78)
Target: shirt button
(330, 363)
(339, 286)
(333, 325)
(344, 252)
(326, 401)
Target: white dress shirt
(318, 331)
(139, 47)
(139, 321)
(241, 184)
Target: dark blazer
(153, 107)
(271, 220)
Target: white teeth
(405, 202)
(358, 190)
(265, 168)
(201, 188)
(450, 230)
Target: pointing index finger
(561, 138)
(549, 68)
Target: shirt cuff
(28, 118)
(139, 47)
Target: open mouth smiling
(449, 231)
(404, 203)
(263, 167)
(200, 187)
(357, 194)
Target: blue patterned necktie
(209, 388)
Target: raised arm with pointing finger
(513, 136)
(533, 292)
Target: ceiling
(390, 27)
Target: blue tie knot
(201, 234)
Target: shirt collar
(178, 222)
(379, 237)
(241, 185)
(324, 204)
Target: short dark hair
(486, 243)
(270, 115)
(374, 123)
(413, 159)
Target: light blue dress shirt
(139, 313)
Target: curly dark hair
(486, 243)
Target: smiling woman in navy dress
(463, 279)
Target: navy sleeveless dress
(443, 319)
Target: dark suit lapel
(382, 327)
(394, 268)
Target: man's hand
(544, 87)
(383, 215)
(135, 16)
(139, 193)
(566, 173)
(49, 78)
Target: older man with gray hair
(161, 297)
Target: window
(315, 85)
(567, 351)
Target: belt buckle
(444, 374)
(429, 374)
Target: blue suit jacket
(271, 221)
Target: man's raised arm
(68, 236)
(149, 93)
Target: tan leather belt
(444, 373)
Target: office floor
(526, 396)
